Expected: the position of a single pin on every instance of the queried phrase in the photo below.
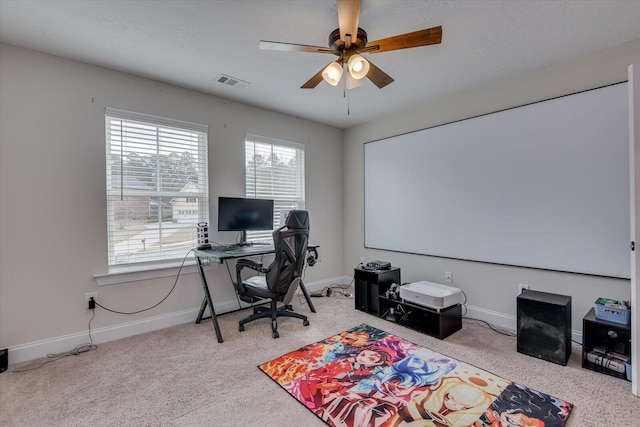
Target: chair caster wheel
(275, 334)
(241, 328)
(305, 323)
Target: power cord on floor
(333, 290)
(77, 351)
(464, 303)
(490, 326)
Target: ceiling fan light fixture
(353, 83)
(358, 67)
(332, 73)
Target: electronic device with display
(241, 214)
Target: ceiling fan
(349, 41)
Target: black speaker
(544, 326)
(369, 284)
(4, 359)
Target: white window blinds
(274, 170)
(157, 186)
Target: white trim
(273, 141)
(165, 121)
(65, 343)
(134, 274)
(634, 169)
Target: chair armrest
(242, 263)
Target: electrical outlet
(448, 277)
(522, 287)
(88, 296)
(361, 260)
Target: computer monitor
(240, 214)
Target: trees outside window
(157, 186)
(274, 170)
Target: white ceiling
(189, 42)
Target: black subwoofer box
(544, 326)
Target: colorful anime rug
(368, 377)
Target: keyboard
(236, 246)
(224, 248)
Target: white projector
(432, 295)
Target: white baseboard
(65, 343)
(505, 321)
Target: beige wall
(53, 198)
(491, 289)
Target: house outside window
(275, 169)
(157, 187)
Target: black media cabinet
(370, 289)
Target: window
(157, 187)
(274, 170)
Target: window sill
(135, 274)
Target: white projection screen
(544, 185)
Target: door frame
(634, 176)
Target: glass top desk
(220, 256)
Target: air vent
(230, 81)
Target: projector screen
(544, 185)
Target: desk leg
(203, 306)
(307, 297)
(207, 301)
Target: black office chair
(281, 278)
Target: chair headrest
(298, 220)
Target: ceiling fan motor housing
(358, 43)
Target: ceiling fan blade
(377, 76)
(404, 41)
(348, 18)
(293, 47)
(314, 81)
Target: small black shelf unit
(371, 283)
(613, 336)
(370, 289)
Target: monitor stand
(243, 239)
